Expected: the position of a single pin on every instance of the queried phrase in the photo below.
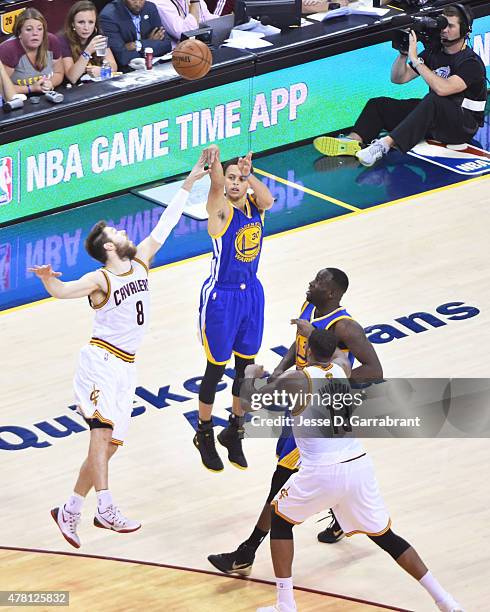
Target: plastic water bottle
(105, 71)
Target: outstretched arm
(219, 210)
(263, 197)
(84, 286)
(171, 215)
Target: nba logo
(5, 180)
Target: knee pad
(279, 479)
(240, 364)
(391, 543)
(211, 378)
(280, 528)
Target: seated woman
(82, 37)
(181, 16)
(32, 59)
(7, 90)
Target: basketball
(192, 59)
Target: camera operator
(451, 112)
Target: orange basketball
(192, 59)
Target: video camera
(428, 30)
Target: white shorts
(350, 489)
(104, 389)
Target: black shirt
(468, 66)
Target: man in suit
(132, 25)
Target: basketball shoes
(113, 519)
(231, 438)
(205, 444)
(333, 533)
(67, 523)
(238, 562)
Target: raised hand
(44, 272)
(211, 154)
(304, 327)
(245, 164)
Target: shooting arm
(263, 197)
(218, 208)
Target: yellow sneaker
(327, 145)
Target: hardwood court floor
(403, 259)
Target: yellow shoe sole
(332, 147)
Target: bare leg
(205, 411)
(85, 481)
(282, 552)
(94, 471)
(412, 563)
(264, 521)
(355, 136)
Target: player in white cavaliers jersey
(335, 471)
(105, 380)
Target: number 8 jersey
(121, 319)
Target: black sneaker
(238, 562)
(333, 533)
(204, 442)
(231, 438)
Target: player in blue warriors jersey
(322, 310)
(231, 311)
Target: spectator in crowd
(6, 86)
(32, 59)
(82, 36)
(132, 25)
(221, 7)
(182, 15)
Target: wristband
(246, 176)
(86, 55)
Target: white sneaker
(67, 523)
(373, 153)
(449, 605)
(278, 608)
(113, 519)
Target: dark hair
(322, 343)
(232, 162)
(464, 15)
(94, 243)
(42, 51)
(73, 38)
(339, 278)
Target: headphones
(466, 15)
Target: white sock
(433, 587)
(104, 500)
(75, 503)
(285, 594)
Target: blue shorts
(231, 320)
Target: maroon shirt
(13, 55)
(221, 7)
